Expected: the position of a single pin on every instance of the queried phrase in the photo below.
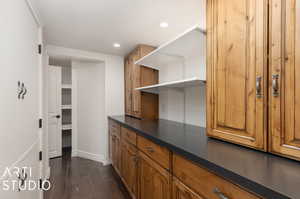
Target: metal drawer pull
(258, 87)
(150, 149)
(219, 193)
(275, 85)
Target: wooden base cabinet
(154, 181)
(181, 191)
(284, 78)
(116, 152)
(138, 161)
(129, 167)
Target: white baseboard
(91, 156)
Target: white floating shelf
(66, 86)
(66, 107)
(191, 43)
(195, 81)
(67, 127)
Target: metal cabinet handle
(150, 149)
(219, 193)
(275, 85)
(258, 87)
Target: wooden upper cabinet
(136, 83)
(236, 71)
(128, 85)
(154, 181)
(285, 78)
(138, 104)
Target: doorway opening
(60, 107)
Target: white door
(54, 112)
(19, 104)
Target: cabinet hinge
(40, 183)
(40, 123)
(40, 156)
(40, 49)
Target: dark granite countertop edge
(234, 178)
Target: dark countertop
(267, 175)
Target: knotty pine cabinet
(115, 145)
(138, 104)
(154, 181)
(181, 191)
(129, 169)
(237, 71)
(284, 78)
(253, 78)
(150, 171)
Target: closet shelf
(66, 86)
(66, 107)
(188, 44)
(195, 81)
(67, 127)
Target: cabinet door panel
(285, 63)
(128, 86)
(236, 60)
(136, 82)
(129, 167)
(154, 181)
(180, 191)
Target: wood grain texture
(284, 112)
(158, 153)
(128, 136)
(181, 191)
(78, 178)
(128, 85)
(129, 167)
(237, 55)
(154, 181)
(204, 182)
(136, 104)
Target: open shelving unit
(183, 47)
(181, 63)
(66, 107)
(172, 84)
(66, 86)
(66, 127)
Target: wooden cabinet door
(128, 86)
(136, 82)
(180, 191)
(116, 152)
(154, 181)
(284, 78)
(129, 167)
(236, 64)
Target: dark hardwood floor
(77, 178)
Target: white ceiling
(95, 25)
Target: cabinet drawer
(128, 135)
(159, 154)
(114, 128)
(206, 183)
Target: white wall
(184, 105)
(19, 133)
(90, 108)
(111, 97)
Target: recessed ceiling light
(117, 45)
(164, 24)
